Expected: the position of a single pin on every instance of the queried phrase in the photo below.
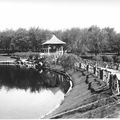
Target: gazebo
(53, 46)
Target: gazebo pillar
(48, 51)
(62, 49)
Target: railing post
(94, 70)
(101, 74)
(115, 85)
(118, 66)
(111, 82)
(108, 77)
(87, 68)
(80, 65)
(105, 75)
(118, 90)
(119, 86)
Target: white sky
(59, 14)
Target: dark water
(25, 93)
(23, 78)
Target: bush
(67, 61)
(107, 58)
(114, 58)
(117, 59)
(50, 59)
(97, 58)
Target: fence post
(108, 77)
(94, 70)
(87, 67)
(118, 66)
(105, 75)
(118, 90)
(115, 85)
(110, 83)
(101, 74)
(119, 86)
(80, 65)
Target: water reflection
(13, 76)
(26, 93)
(23, 78)
(24, 104)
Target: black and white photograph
(59, 59)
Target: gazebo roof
(53, 40)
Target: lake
(16, 103)
(27, 94)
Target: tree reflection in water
(12, 76)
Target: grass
(76, 96)
(26, 54)
(6, 58)
(80, 95)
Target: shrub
(68, 61)
(97, 58)
(49, 59)
(30, 57)
(117, 59)
(107, 58)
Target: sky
(59, 14)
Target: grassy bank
(80, 96)
(26, 54)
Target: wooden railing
(102, 73)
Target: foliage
(94, 34)
(117, 59)
(50, 59)
(78, 41)
(68, 61)
(107, 58)
(97, 58)
(26, 54)
(116, 44)
(27, 78)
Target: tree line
(78, 41)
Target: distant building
(53, 46)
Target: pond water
(16, 103)
(28, 94)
